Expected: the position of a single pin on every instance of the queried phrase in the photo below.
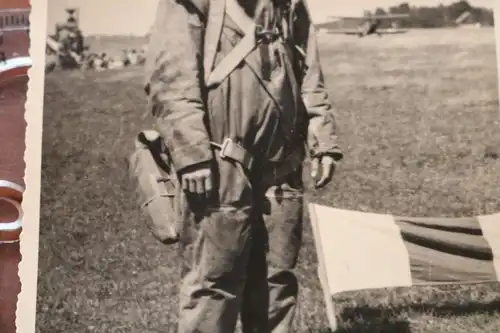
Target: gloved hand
(323, 150)
(324, 176)
(197, 179)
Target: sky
(133, 17)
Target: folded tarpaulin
(365, 250)
(358, 250)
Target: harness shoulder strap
(213, 31)
(247, 44)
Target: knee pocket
(225, 241)
(284, 223)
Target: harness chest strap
(234, 151)
(254, 35)
(229, 149)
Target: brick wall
(7, 4)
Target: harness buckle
(265, 35)
(225, 144)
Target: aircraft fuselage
(369, 28)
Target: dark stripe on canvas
(468, 225)
(447, 250)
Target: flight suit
(239, 248)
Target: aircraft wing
(391, 31)
(343, 31)
(389, 16)
(374, 17)
(354, 18)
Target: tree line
(437, 17)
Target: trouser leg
(254, 309)
(272, 287)
(216, 247)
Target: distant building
(13, 19)
(14, 28)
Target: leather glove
(197, 179)
(322, 170)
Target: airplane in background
(369, 25)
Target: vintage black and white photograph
(346, 183)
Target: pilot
(237, 135)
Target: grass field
(418, 118)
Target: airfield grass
(417, 117)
